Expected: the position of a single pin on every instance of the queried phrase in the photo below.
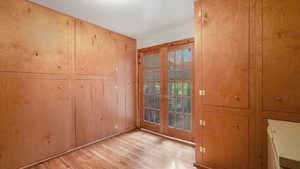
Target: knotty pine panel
(36, 120)
(96, 50)
(34, 39)
(89, 111)
(36, 55)
(281, 56)
(225, 53)
(111, 107)
(226, 139)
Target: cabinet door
(96, 50)
(111, 107)
(89, 96)
(281, 55)
(130, 106)
(226, 141)
(34, 39)
(36, 120)
(225, 52)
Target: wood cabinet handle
(278, 99)
(236, 97)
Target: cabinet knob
(236, 97)
(278, 99)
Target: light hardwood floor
(133, 150)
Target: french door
(166, 95)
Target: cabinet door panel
(34, 38)
(36, 120)
(226, 139)
(111, 107)
(281, 55)
(130, 106)
(89, 96)
(225, 50)
(96, 50)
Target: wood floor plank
(134, 150)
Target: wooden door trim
(169, 44)
(163, 50)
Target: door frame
(163, 127)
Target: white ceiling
(134, 18)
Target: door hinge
(202, 92)
(201, 15)
(202, 149)
(202, 123)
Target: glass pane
(155, 116)
(187, 56)
(171, 75)
(187, 104)
(178, 120)
(148, 87)
(179, 73)
(171, 59)
(171, 88)
(172, 104)
(152, 61)
(179, 104)
(157, 102)
(178, 88)
(187, 123)
(146, 115)
(171, 119)
(187, 89)
(152, 101)
(152, 75)
(157, 88)
(187, 74)
(179, 58)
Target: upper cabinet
(224, 55)
(89, 111)
(281, 55)
(34, 39)
(96, 50)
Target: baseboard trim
(200, 166)
(76, 148)
(169, 137)
(289, 164)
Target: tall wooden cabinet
(248, 65)
(225, 72)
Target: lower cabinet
(224, 141)
(89, 111)
(35, 120)
(130, 106)
(110, 107)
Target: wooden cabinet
(281, 56)
(225, 141)
(225, 96)
(96, 50)
(225, 52)
(89, 111)
(34, 39)
(35, 120)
